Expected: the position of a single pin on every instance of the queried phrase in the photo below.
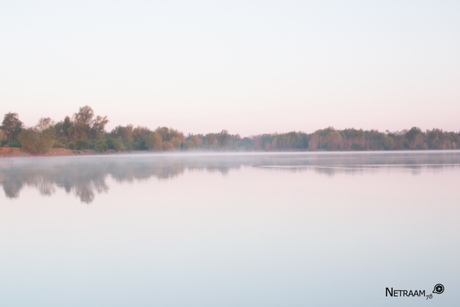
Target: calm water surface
(300, 229)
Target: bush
(14, 143)
(34, 141)
(81, 144)
(101, 146)
(136, 145)
(187, 145)
(118, 144)
(109, 143)
(61, 143)
(167, 146)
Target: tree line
(86, 131)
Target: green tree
(81, 144)
(101, 146)
(118, 144)
(12, 126)
(61, 143)
(64, 128)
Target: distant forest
(85, 131)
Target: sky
(249, 67)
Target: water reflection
(86, 176)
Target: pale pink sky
(248, 67)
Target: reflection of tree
(12, 185)
(86, 176)
(81, 179)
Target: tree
(97, 130)
(274, 144)
(30, 140)
(176, 142)
(12, 126)
(168, 133)
(187, 145)
(140, 133)
(223, 138)
(35, 142)
(101, 146)
(125, 133)
(81, 124)
(2, 136)
(211, 139)
(118, 144)
(44, 123)
(84, 116)
(40, 139)
(389, 143)
(196, 141)
(313, 144)
(167, 146)
(153, 141)
(61, 143)
(85, 127)
(415, 138)
(333, 140)
(81, 144)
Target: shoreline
(14, 152)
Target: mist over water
(86, 176)
(218, 229)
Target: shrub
(34, 141)
(118, 144)
(14, 143)
(81, 144)
(61, 143)
(167, 146)
(101, 146)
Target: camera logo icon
(438, 288)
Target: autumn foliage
(85, 131)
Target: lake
(278, 229)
